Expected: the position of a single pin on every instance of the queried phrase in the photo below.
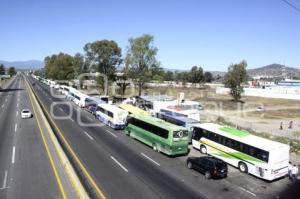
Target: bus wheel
(243, 167)
(155, 147)
(203, 149)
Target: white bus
(111, 115)
(80, 99)
(258, 156)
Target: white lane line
(17, 113)
(6, 99)
(111, 133)
(253, 194)
(13, 155)
(2, 106)
(114, 159)
(90, 119)
(88, 135)
(16, 126)
(4, 180)
(150, 159)
(17, 104)
(72, 119)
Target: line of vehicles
(169, 128)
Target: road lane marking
(253, 194)
(16, 126)
(17, 113)
(116, 161)
(17, 104)
(4, 180)
(150, 159)
(2, 106)
(88, 135)
(72, 119)
(13, 155)
(111, 133)
(5, 99)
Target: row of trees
(105, 56)
(11, 70)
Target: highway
(25, 171)
(125, 168)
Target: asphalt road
(25, 171)
(126, 168)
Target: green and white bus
(258, 156)
(160, 135)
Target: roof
(243, 136)
(152, 98)
(159, 122)
(112, 108)
(133, 109)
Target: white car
(260, 109)
(26, 113)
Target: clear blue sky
(210, 33)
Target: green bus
(160, 135)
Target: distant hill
(30, 64)
(275, 70)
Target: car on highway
(211, 167)
(25, 113)
(260, 109)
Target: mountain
(277, 70)
(30, 64)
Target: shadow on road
(10, 89)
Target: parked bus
(71, 93)
(179, 120)
(258, 156)
(111, 115)
(133, 109)
(80, 99)
(160, 135)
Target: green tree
(169, 76)
(236, 75)
(103, 56)
(59, 67)
(11, 71)
(2, 69)
(79, 64)
(157, 73)
(208, 77)
(122, 80)
(140, 58)
(196, 75)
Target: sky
(208, 33)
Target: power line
(291, 5)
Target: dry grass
(276, 114)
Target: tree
(11, 71)
(140, 58)
(122, 80)
(169, 76)
(236, 75)
(196, 75)
(208, 77)
(59, 67)
(2, 69)
(103, 56)
(79, 64)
